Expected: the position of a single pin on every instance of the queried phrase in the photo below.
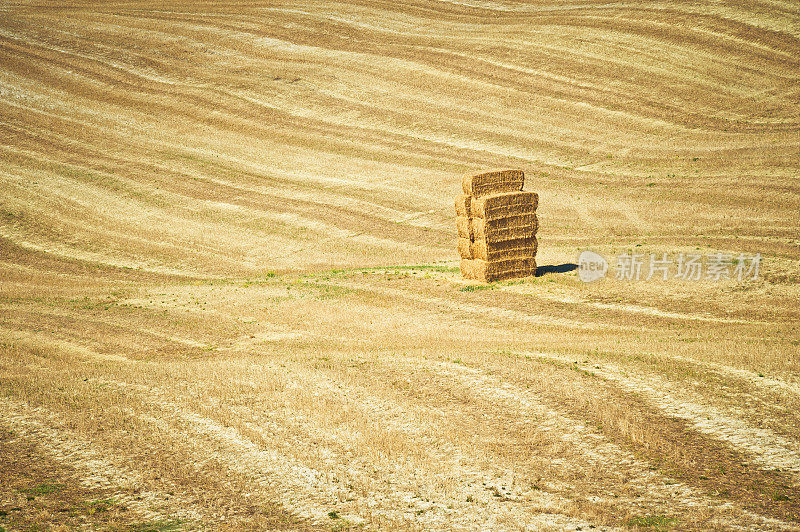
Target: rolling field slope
(229, 287)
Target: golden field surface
(229, 285)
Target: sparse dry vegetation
(229, 284)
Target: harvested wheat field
(230, 295)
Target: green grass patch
(656, 522)
(164, 525)
(476, 287)
(43, 489)
(395, 270)
(102, 505)
(13, 216)
(430, 267)
(320, 290)
(521, 280)
(575, 367)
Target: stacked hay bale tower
(496, 226)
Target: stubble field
(229, 286)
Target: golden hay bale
(497, 226)
(498, 206)
(465, 248)
(515, 226)
(482, 270)
(493, 182)
(462, 205)
(504, 249)
(466, 268)
(465, 229)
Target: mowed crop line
(316, 196)
(489, 311)
(46, 338)
(771, 384)
(305, 491)
(146, 213)
(240, 35)
(668, 314)
(235, 445)
(588, 448)
(498, 392)
(307, 483)
(497, 395)
(765, 447)
(245, 40)
(113, 208)
(663, 494)
(320, 196)
(295, 220)
(97, 468)
(629, 308)
(64, 251)
(77, 350)
(441, 475)
(228, 445)
(312, 492)
(97, 59)
(141, 219)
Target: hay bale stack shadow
(556, 268)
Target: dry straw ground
(228, 272)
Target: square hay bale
(466, 270)
(465, 248)
(493, 182)
(465, 229)
(504, 205)
(515, 226)
(486, 271)
(519, 248)
(463, 203)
